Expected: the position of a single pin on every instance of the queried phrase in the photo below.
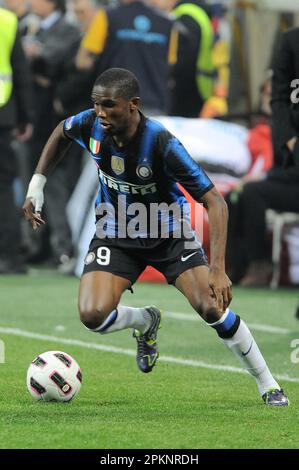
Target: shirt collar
(48, 22)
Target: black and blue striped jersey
(146, 170)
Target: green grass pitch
(191, 400)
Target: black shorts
(127, 258)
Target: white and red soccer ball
(54, 376)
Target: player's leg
(109, 271)
(193, 283)
(99, 297)
(99, 308)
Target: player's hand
(221, 286)
(31, 215)
(35, 200)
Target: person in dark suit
(47, 53)
(280, 189)
(16, 116)
(285, 104)
(73, 91)
(285, 101)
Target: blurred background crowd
(216, 73)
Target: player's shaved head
(122, 81)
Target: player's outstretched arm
(52, 153)
(218, 217)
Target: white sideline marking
(269, 329)
(131, 352)
(253, 326)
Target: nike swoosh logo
(247, 352)
(188, 256)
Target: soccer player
(139, 164)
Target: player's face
(115, 113)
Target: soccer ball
(54, 376)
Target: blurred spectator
(285, 108)
(280, 189)
(28, 23)
(72, 93)
(84, 11)
(192, 74)
(15, 114)
(73, 90)
(47, 52)
(217, 103)
(137, 37)
(261, 150)
(285, 105)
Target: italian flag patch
(94, 145)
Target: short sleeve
(180, 166)
(76, 127)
